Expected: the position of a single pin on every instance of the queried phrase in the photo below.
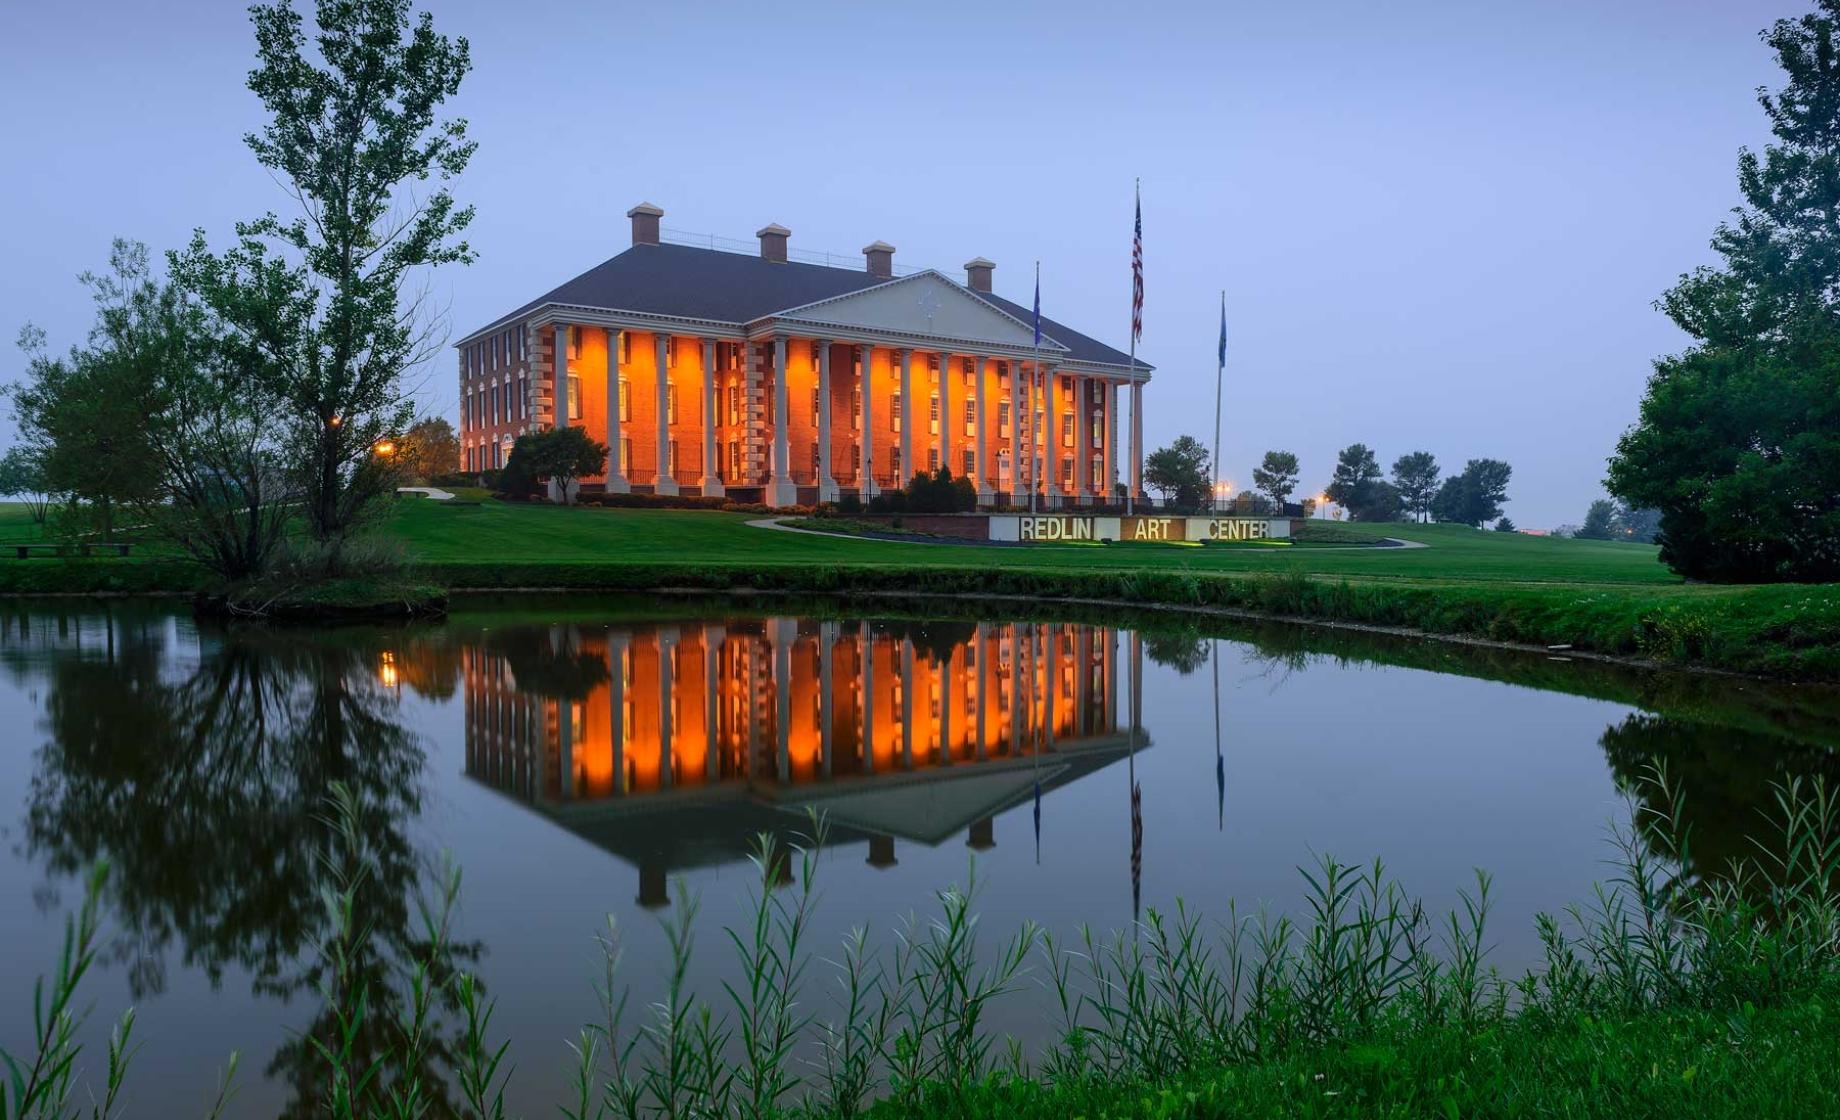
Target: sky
(1437, 225)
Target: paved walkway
(434, 493)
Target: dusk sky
(1438, 225)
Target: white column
(865, 479)
(559, 376)
(711, 484)
(780, 490)
(1018, 410)
(1082, 439)
(1137, 438)
(667, 662)
(784, 632)
(663, 483)
(616, 708)
(980, 666)
(827, 713)
(867, 638)
(980, 369)
(1111, 441)
(827, 484)
(907, 418)
(1050, 446)
(907, 704)
(945, 416)
(712, 739)
(616, 478)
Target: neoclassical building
(763, 378)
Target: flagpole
(1220, 371)
(1133, 469)
(1034, 378)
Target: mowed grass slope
(497, 533)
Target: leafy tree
(84, 417)
(353, 135)
(1277, 476)
(1415, 476)
(428, 448)
(200, 457)
(1505, 525)
(1358, 486)
(559, 455)
(22, 476)
(1598, 521)
(1636, 524)
(1737, 442)
(1474, 496)
(1179, 473)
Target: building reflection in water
(673, 745)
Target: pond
(582, 758)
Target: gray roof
(1080, 348)
(686, 282)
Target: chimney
(879, 257)
(773, 242)
(645, 223)
(977, 274)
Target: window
(1098, 431)
(670, 402)
(574, 397)
(670, 456)
(523, 345)
(932, 459)
(1098, 474)
(625, 454)
(971, 418)
(816, 353)
(625, 401)
(1066, 474)
(734, 460)
(1003, 465)
(894, 402)
(734, 405)
(817, 406)
(894, 461)
(1066, 429)
(574, 343)
(856, 410)
(1003, 419)
(626, 348)
(814, 457)
(932, 416)
(969, 466)
(494, 352)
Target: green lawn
(495, 532)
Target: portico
(844, 394)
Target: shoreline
(1064, 589)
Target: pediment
(925, 305)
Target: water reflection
(198, 762)
(672, 745)
(204, 783)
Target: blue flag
(1223, 328)
(1038, 305)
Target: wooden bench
(119, 548)
(23, 551)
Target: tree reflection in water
(206, 790)
(1728, 779)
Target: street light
(384, 448)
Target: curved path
(433, 493)
(780, 525)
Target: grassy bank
(1610, 598)
(1666, 995)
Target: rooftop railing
(852, 261)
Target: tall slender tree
(1737, 443)
(1415, 476)
(322, 299)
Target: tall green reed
(910, 1020)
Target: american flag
(1137, 271)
